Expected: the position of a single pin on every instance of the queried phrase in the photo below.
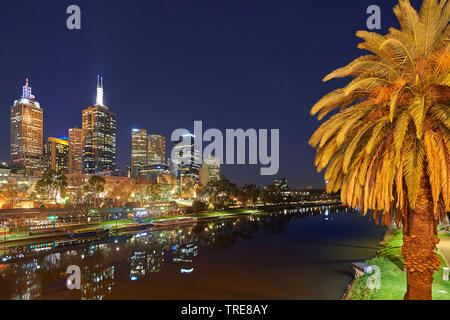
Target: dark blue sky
(233, 64)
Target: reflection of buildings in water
(143, 263)
(97, 278)
(184, 255)
(137, 265)
(28, 284)
(97, 282)
(155, 261)
(52, 261)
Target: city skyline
(182, 72)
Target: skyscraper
(57, 154)
(99, 136)
(26, 132)
(185, 157)
(210, 170)
(76, 145)
(139, 145)
(156, 149)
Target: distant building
(282, 184)
(26, 132)
(153, 172)
(139, 145)
(99, 136)
(156, 149)
(210, 170)
(76, 145)
(187, 158)
(5, 171)
(57, 154)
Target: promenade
(444, 248)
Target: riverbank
(393, 278)
(24, 237)
(21, 237)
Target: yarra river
(289, 254)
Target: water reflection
(37, 270)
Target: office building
(99, 136)
(186, 158)
(139, 145)
(57, 154)
(210, 170)
(26, 133)
(156, 149)
(76, 146)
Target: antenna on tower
(26, 90)
(99, 91)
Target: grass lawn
(393, 279)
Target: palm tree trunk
(419, 242)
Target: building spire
(99, 91)
(26, 91)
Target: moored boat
(174, 222)
(128, 227)
(89, 232)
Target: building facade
(139, 145)
(76, 146)
(156, 150)
(99, 136)
(186, 158)
(210, 170)
(26, 132)
(57, 153)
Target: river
(296, 253)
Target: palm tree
(387, 148)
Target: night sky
(232, 64)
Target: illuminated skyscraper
(76, 145)
(210, 170)
(99, 136)
(26, 132)
(139, 146)
(156, 149)
(186, 157)
(57, 154)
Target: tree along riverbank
(393, 278)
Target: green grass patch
(393, 279)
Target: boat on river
(162, 223)
(129, 227)
(86, 232)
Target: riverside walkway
(444, 248)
